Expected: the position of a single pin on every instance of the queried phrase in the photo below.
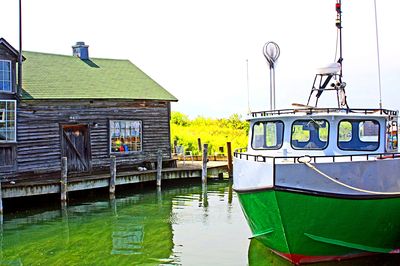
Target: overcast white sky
(197, 50)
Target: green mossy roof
(50, 76)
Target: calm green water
(181, 225)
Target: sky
(208, 53)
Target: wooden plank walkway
(49, 183)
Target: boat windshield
(310, 134)
(267, 135)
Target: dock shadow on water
(185, 224)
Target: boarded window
(7, 121)
(5, 76)
(7, 156)
(125, 136)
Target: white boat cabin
(322, 132)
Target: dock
(49, 183)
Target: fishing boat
(318, 184)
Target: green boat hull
(307, 227)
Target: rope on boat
(306, 160)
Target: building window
(125, 136)
(5, 76)
(267, 135)
(358, 135)
(310, 134)
(7, 121)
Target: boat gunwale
(238, 153)
(316, 193)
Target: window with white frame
(8, 121)
(5, 76)
(125, 136)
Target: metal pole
(19, 87)
(273, 87)
(379, 61)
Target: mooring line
(307, 162)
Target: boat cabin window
(310, 134)
(267, 135)
(358, 135)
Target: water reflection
(181, 225)
(174, 226)
(259, 255)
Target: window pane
(7, 121)
(267, 135)
(310, 134)
(125, 136)
(359, 135)
(345, 129)
(5, 75)
(369, 131)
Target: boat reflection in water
(260, 255)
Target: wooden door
(75, 145)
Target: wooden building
(78, 107)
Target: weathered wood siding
(39, 130)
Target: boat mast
(339, 26)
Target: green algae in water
(180, 225)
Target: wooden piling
(159, 167)
(204, 168)
(64, 181)
(113, 174)
(199, 144)
(1, 203)
(230, 164)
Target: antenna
(19, 88)
(271, 53)
(339, 26)
(377, 52)
(248, 87)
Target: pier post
(199, 144)
(230, 164)
(159, 167)
(64, 181)
(113, 174)
(204, 168)
(1, 203)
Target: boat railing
(241, 153)
(312, 110)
